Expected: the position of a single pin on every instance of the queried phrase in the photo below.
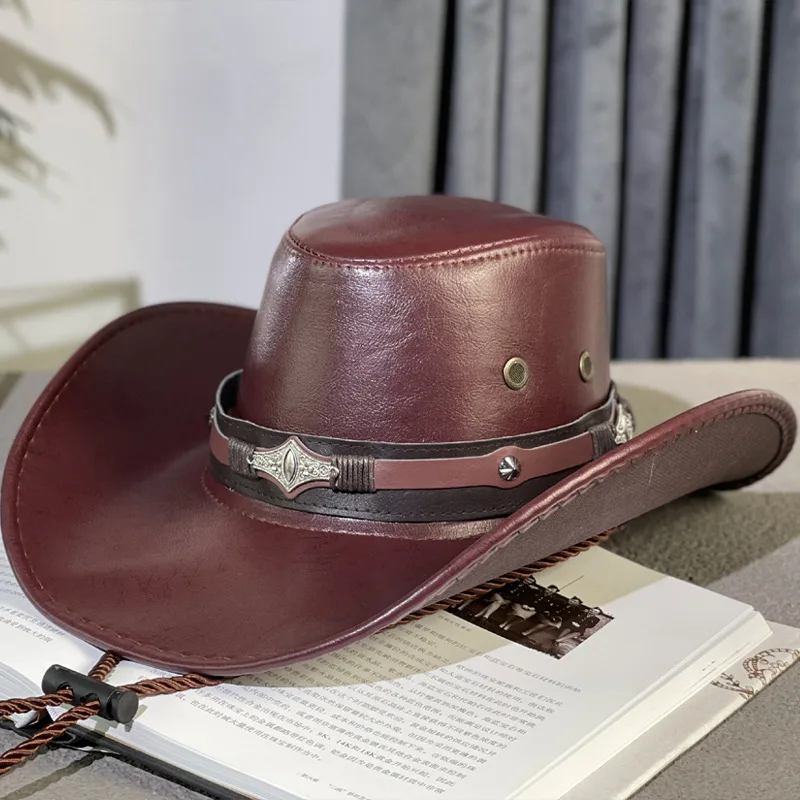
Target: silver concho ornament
(292, 464)
(623, 423)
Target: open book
(523, 693)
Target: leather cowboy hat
(421, 404)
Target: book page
(467, 704)
(29, 643)
(641, 761)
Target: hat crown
(392, 319)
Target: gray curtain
(670, 128)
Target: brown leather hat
(422, 403)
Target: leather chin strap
(398, 481)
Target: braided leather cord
(509, 577)
(146, 688)
(181, 683)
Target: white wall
(227, 117)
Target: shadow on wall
(33, 322)
(35, 78)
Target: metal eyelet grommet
(585, 367)
(516, 373)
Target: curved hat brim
(116, 531)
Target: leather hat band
(384, 480)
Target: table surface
(744, 544)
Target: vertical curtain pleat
(681, 297)
(713, 199)
(393, 64)
(522, 103)
(561, 162)
(775, 329)
(475, 108)
(585, 116)
(651, 114)
(670, 128)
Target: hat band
(403, 481)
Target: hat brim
(116, 531)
